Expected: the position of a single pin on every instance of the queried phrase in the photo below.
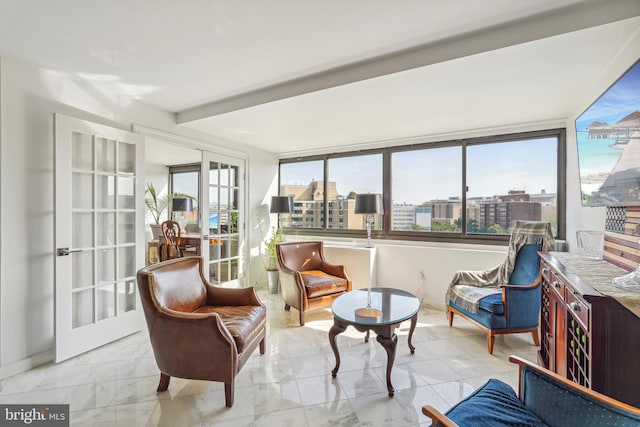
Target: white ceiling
(291, 76)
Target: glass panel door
(223, 212)
(98, 206)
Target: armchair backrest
(527, 265)
(560, 405)
(300, 256)
(175, 284)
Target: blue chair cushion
(484, 317)
(527, 265)
(492, 304)
(494, 404)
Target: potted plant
(271, 262)
(156, 205)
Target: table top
(598, 274)
(396, 306)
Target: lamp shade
(181, 204)
(369, 204)
(281, 204)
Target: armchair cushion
(318, 283)
(492, 304)
(494, 404)
(244, 322)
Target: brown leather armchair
(307, 280)
(199, 331)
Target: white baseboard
(27, 364)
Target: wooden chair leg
(262, 346)
(536, 338)
(287, 306)
(450, 316)
(491, 340)
(228, 393)
(301, 318)
(163, 385)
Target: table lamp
(281, 204)
(181, 204)
(369, 205)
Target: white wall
(28, 98)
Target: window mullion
(465, 188)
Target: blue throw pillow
(494, 404)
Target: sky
(422, 175)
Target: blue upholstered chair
(513, 307)
(544, 399)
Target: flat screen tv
(608, 140)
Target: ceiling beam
(561, 21)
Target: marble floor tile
(338, 413)
(290, 385)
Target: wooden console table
(590, 330)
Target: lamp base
(369, 313)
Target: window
(304, 181)
(185, 180)
(468, 190)
(511, 181)
(426, 189)
(347, 177)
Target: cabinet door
(559, 339)
(546, 323)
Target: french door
(99, 235)
(222, 210)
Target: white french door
(222, 210)
(99, 235)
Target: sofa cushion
(318, 283)
(494, 404)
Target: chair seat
(318, 283)
(484, 317)
(244, 323)
(492, 304)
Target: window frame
(432, 236)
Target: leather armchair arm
(334, 270)
(232, 296)
(183, 331)
(292, 288)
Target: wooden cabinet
(587, 336)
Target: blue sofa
(544, 399)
